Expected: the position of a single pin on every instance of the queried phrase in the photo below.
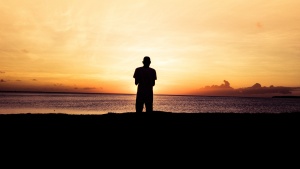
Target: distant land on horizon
(223, 89)
(60, 92)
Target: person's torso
(146, 76)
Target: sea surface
(16, 103)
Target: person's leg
(149, 102)
(139, 106)
(149, 107)
(139, 102)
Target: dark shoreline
(157, 132)
(294, 97)
(155, 120)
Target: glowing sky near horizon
(95, 45)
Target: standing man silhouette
(145, 79)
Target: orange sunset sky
(95, 45)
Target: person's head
(146, 61)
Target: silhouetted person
(145, 79)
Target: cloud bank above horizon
(255, 90)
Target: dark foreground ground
(159, 134)
(156, 121)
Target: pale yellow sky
(95, 45)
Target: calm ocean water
(12, 103)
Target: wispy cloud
(89, 88)
(25, 51)
(86, 88)
(58, 84)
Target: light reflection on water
(12, 103)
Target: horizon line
(61, 92)
(57, 92)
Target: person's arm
(136, 81)
(135, 76)
(155, 77)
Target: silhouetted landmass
(156, 121)
(286, 97)
(161, 133)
